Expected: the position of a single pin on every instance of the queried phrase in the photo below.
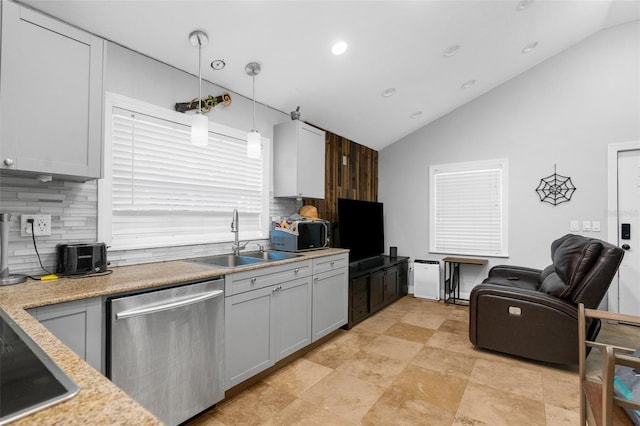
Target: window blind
(164, 191)
(469, 209)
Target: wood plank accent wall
(358, 180)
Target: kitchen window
(159, 190)
(468, 208)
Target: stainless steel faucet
(235, 223)
(237, 245)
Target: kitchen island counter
(99, 400)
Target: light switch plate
(595, 226)
(574, 225)
(586, 225)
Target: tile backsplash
(73, 207)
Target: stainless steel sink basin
(246, 258)
(270, 255)
(229, 260)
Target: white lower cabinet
(330, 294)
(78, 324)
(267, 324)
(273, 312)
(293, 317)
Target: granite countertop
(100, 401)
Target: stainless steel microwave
(300, 235)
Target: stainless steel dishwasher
(165, 348)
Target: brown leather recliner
(533, 313)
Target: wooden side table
(452, 277)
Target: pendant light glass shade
(254, 142)
(199, 122)
(199, 130)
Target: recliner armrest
(523, 295)
(515, 272)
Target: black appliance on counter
(29, 379)
(300, 235)
(81, 258)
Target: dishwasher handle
(150, 309)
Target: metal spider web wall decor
(555, 189)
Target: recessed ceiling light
(529, 47)
(523, 4)
(416, 114)
(339, 48)
(451, 50)
(389, 92)
(218, 64)
(468, 84)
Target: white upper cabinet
(298, 160)
(51, 85)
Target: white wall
(136, 76)
(564, 111)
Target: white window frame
(105, 212)
(495, 170)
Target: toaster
(81, 258)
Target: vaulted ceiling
(434, 55)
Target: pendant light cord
(254, 103)
(200, 75)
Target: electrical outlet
(41, 224)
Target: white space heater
(426, 279)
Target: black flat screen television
(361, 228)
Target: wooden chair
(597, 400)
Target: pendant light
(199, 122)
(253, 137)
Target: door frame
(612, 207)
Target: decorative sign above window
(555, 189)
(207, 103)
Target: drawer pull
(332, 262)
(295, 271)
(253, 280)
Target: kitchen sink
(246, 258)
(270, 255)
(229, 260)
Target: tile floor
(410, 364)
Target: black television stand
(375, 283)
(370, 262)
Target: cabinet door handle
(316, 278)
(8, 162)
